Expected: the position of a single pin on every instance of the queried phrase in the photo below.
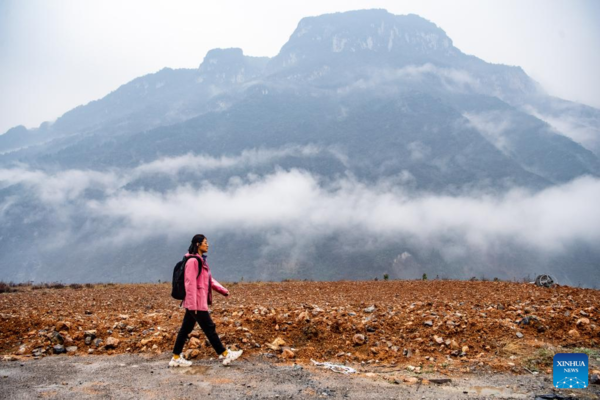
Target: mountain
(363, 98)
(166, 97)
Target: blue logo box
(570, 371)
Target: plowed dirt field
(446, 327)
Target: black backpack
(178, 290)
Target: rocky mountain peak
(230, 66)
(372, 35)
(373, 30)
(217, 59)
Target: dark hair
(196, 242)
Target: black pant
(208, 326)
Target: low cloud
(292, 210)
(452, 79)
(584, 131)
(492, 125)
(248, 158)
(59, 187)
(300, 202)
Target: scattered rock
(582, 321)
(369, 309)
(98, 342)
(287, 353)
(62, 326)
(90, 333)
(58, 349)
(71, 349)
(428, 323)
(440, 381)
(304, 316)
(56, 338)
(112, 343)
(519, 335)
(358, 339)
(574, 333)
(594, 378)
(276, 344)
(194, 343)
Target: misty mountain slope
(19, 137)
(162, 98)
(531, 142)
(579, 122)
(381, 137)
(370, 139)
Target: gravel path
(254, 377)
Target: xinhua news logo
(570, 371)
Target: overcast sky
(56, 55)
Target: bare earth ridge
(393, 333)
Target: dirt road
(147, 377)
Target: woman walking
(199, 284)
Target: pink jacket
(197, 289)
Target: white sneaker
(180, 362)
(231, 356)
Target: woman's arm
(218, 287)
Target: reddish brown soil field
(444, 326)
